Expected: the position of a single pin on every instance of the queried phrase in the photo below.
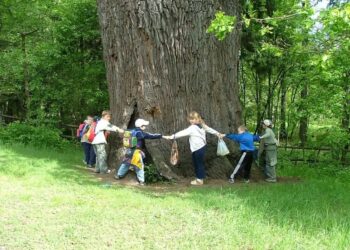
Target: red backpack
(80, 130)
(91, 133)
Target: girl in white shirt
(196, 132)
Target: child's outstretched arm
(182, 133)
(210, 130)
(233, 137)
(117, 129)
(145, 135)
(267, 134)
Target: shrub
(335, 138)
(37, 136)
(152, 175)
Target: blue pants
(198, 162)
(124, 168)
(89, 152)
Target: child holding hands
(246, 144)
(197, 138)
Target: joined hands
(168, 137)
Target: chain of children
(93, 135)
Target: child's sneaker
(271, 180)
(197, 182)
(246, 180)
(231, 180)
(141, 183)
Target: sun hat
(267, 123)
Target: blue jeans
(124, 168)
(89, 152)
(198, 162)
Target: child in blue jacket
(246, 145)
(137, 152)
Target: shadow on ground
(307, 205)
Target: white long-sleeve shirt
(102, 126)
(197, 136)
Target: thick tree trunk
(161, 64)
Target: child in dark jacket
(246, 144)
(134, 156)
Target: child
(134, 156)
(246, 145)
(90, 156)
(80, 133)
(196, 132)
(100, 141)
(269, 151)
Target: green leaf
(222, 25)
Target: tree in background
(51, 67)
(335, 67)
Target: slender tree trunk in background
(25, 74)
(161, 64)
(269, 95)
(291, 121)
(303, 122)
(346, 119)
(257, 101)
(244, 92)
(276, 116)
(26, 71)
(283, 131)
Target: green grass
(47, 202)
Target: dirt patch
(184, 183)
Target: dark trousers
(198, 162)
(89, 152)
(244, 163)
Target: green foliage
(285, 52)
(66, 72)
(36, 136)
(333, 137)
(222, 25)
(152, 175)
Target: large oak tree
(161, 64)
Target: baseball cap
(141, 122)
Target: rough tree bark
(161, 64)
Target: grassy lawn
(47, 202)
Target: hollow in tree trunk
(161, 64)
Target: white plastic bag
(222, 148)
